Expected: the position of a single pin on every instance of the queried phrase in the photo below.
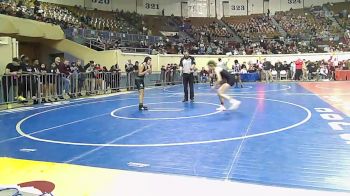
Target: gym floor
(290, 135)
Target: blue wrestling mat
(281, 135)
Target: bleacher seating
(256, 25)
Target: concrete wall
(74, 50)
(6, 52)
(29, 28)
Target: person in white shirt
(292, 69)
(187, 67)
(323, 72)
(222, 64)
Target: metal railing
(93, 43)
(45, 87)
(135, 50)
(109, 35)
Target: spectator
(10, 81)
(129, 69)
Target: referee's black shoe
(185, 100)
(142, 107)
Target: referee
(187, 66)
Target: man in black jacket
(267, 66)
(10, 81)
(187, 66)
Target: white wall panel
(255, 6)
(126, 5)
(102, 5)
(197, 8)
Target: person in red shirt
(298, 69)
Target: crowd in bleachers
(253, 26)
(40, 12)
(308, 24)
(341, 11)
(65, 16)
(117, 21)
(307, 29)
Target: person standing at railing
(10, 80)
(142, 70)
(163, 75)
(115, 78)
(30, 80)
(44, 83)
(129, 69)
(134, 74)
(74, 71)
(174, 74)
(119, 76)
(106, 78)
(54, 72)
(36, 78)
(81, 77)
(25, 79)
(187, 65)
(98, 78)
(168, 74)
(89, 82)
(64, 79)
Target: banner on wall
(197, 8)
(291, 4)
(88, 4)
(102, 5)
(149, 7)
(238, 7)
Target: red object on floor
(341, 75)
(43, 186)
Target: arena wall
(75, 50)
(6, 52)
(196, 8)
(29, 28)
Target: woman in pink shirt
(298, 69)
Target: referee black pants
(188, 80)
